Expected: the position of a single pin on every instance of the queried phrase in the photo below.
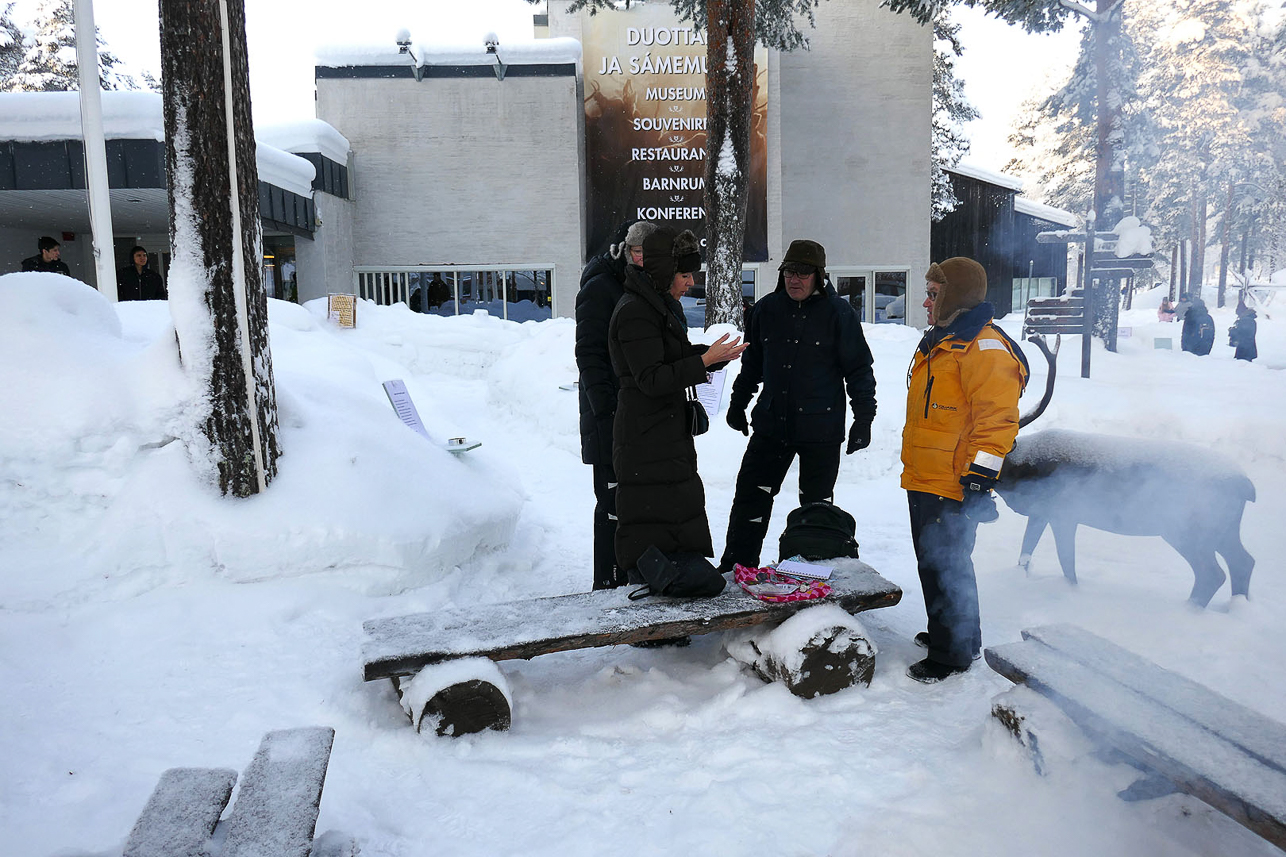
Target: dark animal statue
(1189, 496)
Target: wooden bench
(275, 814)
(1208, 746)
(403, 646)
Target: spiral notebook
(808, 570)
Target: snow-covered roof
(42, 116)
(284, 170)
(307, 135)
(974, 171)
(36, 117)
(528, 52)
(1023, 205)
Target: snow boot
(931, 672)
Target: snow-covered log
(217, 296)
(816, 652)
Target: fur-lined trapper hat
(962, 285)
(631, 234)
(666, 254)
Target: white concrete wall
(855, 116)
(325, 264)
(461, 171)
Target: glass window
(853, 287)
(890, 297)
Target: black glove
(737, 420)
(979, 505)
(859, 437)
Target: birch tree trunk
(217, 295)
(730, 72)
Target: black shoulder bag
(698, 419)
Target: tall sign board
(645, 127)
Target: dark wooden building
(997, 227)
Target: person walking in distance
(961, 420)
(804, 345)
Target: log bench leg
(813, 653)
(457, 697)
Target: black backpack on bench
(819, 531)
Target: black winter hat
(666, 254)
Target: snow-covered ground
(147, 623)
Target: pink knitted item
(768, 584)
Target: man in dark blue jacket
(601, 285)
(805, 345)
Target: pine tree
(12, 44)
(49, 64)
(1043, 16)
(1194, 80)
(951, 110)
(216, 236)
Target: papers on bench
(807, 570)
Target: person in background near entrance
(804, 344)
(437, 293)
(601, 285)
(660, 500)
(1241, 335)
(47, 259)
(961, 420)
(138, 282)
(1165, 312)
(1198, 335)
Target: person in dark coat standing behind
(1198, 335)
(660, 500)
(804, 343)
(1241, 335)
(47, 259)
(138, 282)
(602, 284)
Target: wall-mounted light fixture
(404, 47)
(492, 41)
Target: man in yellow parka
(961, 421)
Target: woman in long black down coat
(659, 496)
